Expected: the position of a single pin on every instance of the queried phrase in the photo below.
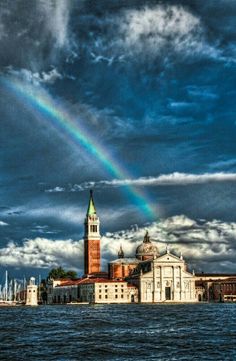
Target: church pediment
(169, 258)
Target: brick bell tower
(91, 239)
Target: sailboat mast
(6, 286)
(15, 289)
(24, 289)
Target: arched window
(93, 228)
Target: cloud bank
(41, 253)
(151, 30)
(173, 179)
(36, 78)
(206, 246)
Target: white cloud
(3, 223)
(43, 253)
(172, 29)
(178, 222)
(173, 105)
(55, 190)
(36, 78)
(101, 58)
(56, 14)
(173, 179)
(50, 76)
(206, 245)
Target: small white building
(32, 293)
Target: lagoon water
(119, 332)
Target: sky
(133, 99)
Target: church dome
(146, 250)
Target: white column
(162, 285)
(159, 280)
(181, 284)
(153, 283)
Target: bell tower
(91, 239)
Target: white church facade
(164, 279)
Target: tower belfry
(91, 239)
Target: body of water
(119, 332)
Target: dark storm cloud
(33, 35)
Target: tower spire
(121, 252)
(91, 206)
(146, 237)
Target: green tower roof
(91, 207)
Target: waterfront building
(107, 291)
(92, 290)
(224, 291)
(62, 291)
(216, 287)
(32, 293)
(164, 278)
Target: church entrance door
(168, 293)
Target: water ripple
(119, 332)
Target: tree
(58, 273)
(71, 274)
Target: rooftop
(67, 282)
(215, 274)
(126, 260)
(100, 280)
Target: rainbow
(60, 118)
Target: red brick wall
(92, 257)
(120, 270)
